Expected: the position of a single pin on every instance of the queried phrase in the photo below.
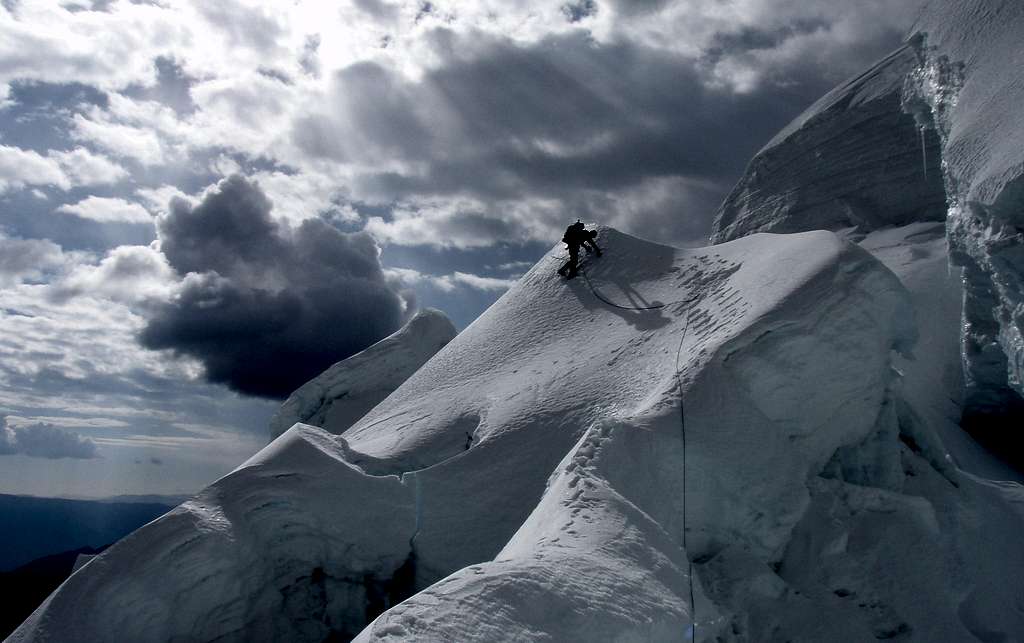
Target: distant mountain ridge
(34, 527)
(26, 586)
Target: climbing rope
(612, 303)
(682, 424)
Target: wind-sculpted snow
(568, 470)
(338, 397)
(854, 158)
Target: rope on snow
(682, 423)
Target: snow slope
(338, 397)
(678, 438)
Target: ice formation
(734, 461)
(852, 159)
(338, 397)
(849, 161)
(971, 52)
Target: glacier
(344, 392)
(760, 440)
(705, 443)
(852, 161)
(970, 49)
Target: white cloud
(76, 338)
(43, 41)
(449, 283)
(514, 265)
(137, 143)
(296, 196)
(108, 210)
(27, 259)
(157, 200)
(67, 422)
(129, 274)
(459, 223)
(303, 195)
(779, 33)
(19, 168)
(85, 168)
(62, 169)
(44, 441)
(482, 283)
(224, 166)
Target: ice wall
(854, 158)
(935, 131)
(970, 77)
(338, 397)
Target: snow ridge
(338, 397)
(548, 470)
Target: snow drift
(338, 397)
(702, 443)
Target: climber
(577, 235)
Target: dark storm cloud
(751, 39)
(561, 119)
(232, 228)
(264, 306)
(44, 441)
(638, 7)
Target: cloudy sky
(203, 204)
